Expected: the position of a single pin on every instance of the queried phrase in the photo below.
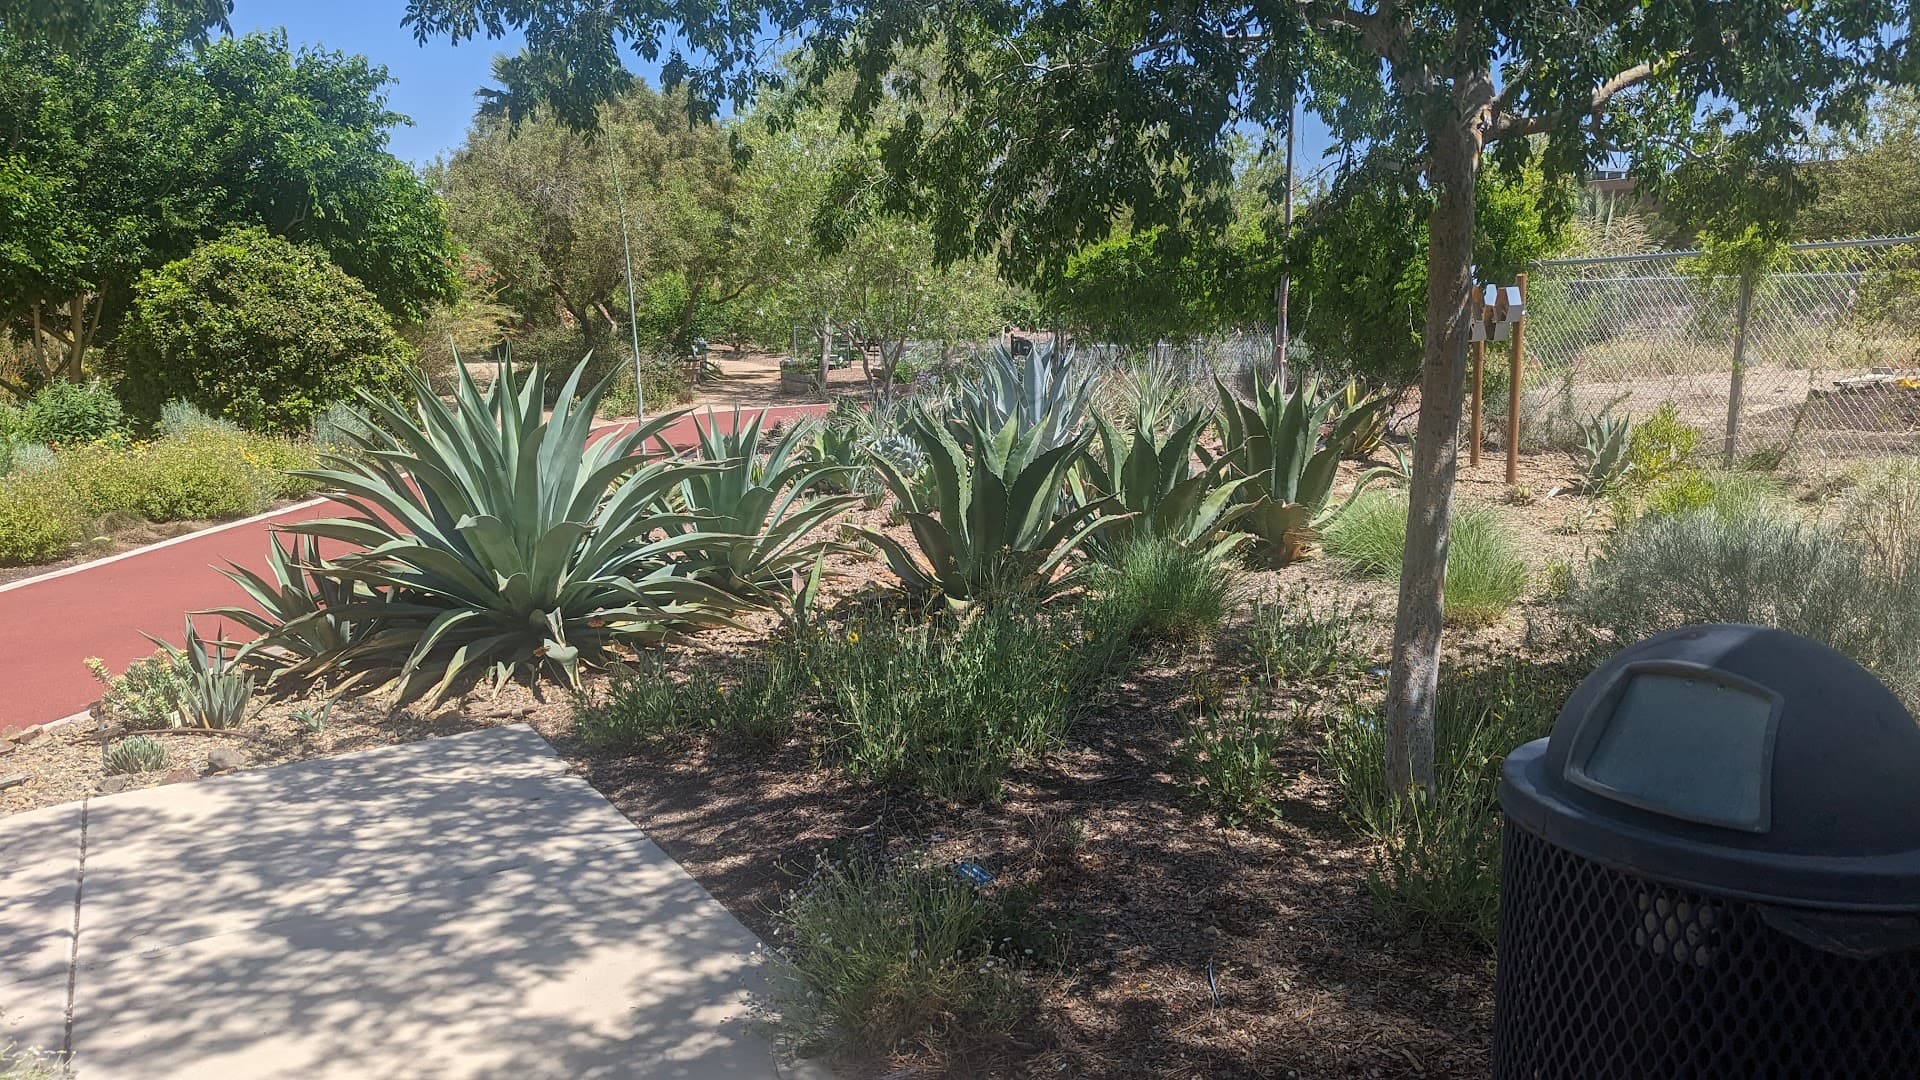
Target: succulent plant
(1156, 481)
(1603, 446)
(136, 754)
(996, 523)
(752, 515)
(487, 535)
(1274, 443)
(1042, 392)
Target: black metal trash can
(1711, 868)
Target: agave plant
(216, 689)
(996, 524)
(303, 619)
(1364, 439)
(1041, 392)
(137, 754)
(753, 513)
(1275, 444)
(1603, 444)
(1156, 481)
(498, 538)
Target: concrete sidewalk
(460, 907)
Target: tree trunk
(1415, 673)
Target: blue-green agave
(997, 523)
(490, 536)
(1275, 444)
(754, 513)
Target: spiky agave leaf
(757, 514)
(1157, 481)
(499, 537)
(1043, 392)
(1274, 442)
(997, 524)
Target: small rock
(12, 781)
(225, 758)
(113, 784)
(27, 735)
(7, 747)
(179, 775)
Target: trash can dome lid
(1734, 758)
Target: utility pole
(633, 307)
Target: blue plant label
(973, 872)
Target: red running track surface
(50, 625)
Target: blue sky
(433, 83)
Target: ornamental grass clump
(1157, 590)
(487, 536)
(1438, 864)
(1485, 573)
(876, 958)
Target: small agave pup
(490, 536)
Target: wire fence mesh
(1818, 356)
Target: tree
(1869, 181)
(1063, 116)
(122, 149)
(538, 204)
(1360, 263)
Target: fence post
(1514, 360)
(1743, 307)
(1479, 388)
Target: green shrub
(1659, 445)
(27, 457)
(39, 518)
(257, 330)
(1485, 573)
(1666, 572)
(1158, 590)
(1729, 494)
(645, 706)
(947, 710)
(167, 480)
(878, 959)
(1438, 867)
(1294, 641)
(1882, 514)
(186, 418)
(141, 753)
(1227, 759)
(66, 414)
(26, 1063)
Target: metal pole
(1479, 387)
(633, 307)
(1283, 290)
(1743, 308)
(1514, 360)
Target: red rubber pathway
(50, 624)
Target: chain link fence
(1818, 356)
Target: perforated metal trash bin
(1711, 868)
